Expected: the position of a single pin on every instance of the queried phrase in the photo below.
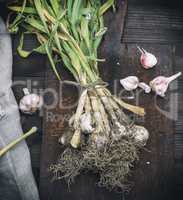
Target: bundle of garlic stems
(72, 30)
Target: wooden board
(153, 174)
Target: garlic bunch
(148, 60)
(141, 134)
(130, 83)
(30, 103)
(160, 84)
(145, 87)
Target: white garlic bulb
(120, 133)
(145, 87)
(86, 123)
(30, 103)
(130, 83)
(160, 84)
(148, 60)
(141, 135)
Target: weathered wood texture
(153, 175)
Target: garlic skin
(160, 84)
(86, 123)
(2, 112)
(147, 60)
(141, 135)
(145, 87)
(130, 83)
(99, 140)
(30, 103)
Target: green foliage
(72, 29)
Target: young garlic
(86, 123)
(30, 103)
(160, 84)
(145, 87)
(148, 60)
(141, 135)
(130, 83)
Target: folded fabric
(16, 178)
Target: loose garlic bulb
(130, 83)
(148, 60)
(30, 103)
(145, 87)
(141, 135)
(160, 84)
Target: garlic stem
(173, 77)
(141, 51)
(15, 142)
(26, 91)
(80, 108)
(135, 109)
(144, 50)
(76, 139)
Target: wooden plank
(85, 185)
(34, 65)
(154, 25)
(154, 170)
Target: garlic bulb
(145, 87)
(86, 123)
(141, 135)
(130, 83)
(160, 84)
(99, 140)
(148, 60)
(30, 103)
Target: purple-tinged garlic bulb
(148, 60)
(141, 135)
(30, 103)
(130, 83)
(145, 87)
(160, 84)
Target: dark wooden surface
(154, 175)
(156, 25)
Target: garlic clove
(160, 84)
(30, 103)
(145, 87)
(147, 60)
(130, 83)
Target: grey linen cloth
(16, 178)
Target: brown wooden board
(153, 175)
